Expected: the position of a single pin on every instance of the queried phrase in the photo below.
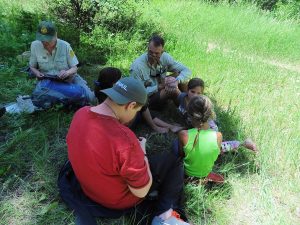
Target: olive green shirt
(62, 57)
(142, 70)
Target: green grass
(233, 49)
(250, 62)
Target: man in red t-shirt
(109, 174)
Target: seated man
(151, 68)
(109, 174)
(52, 58)
(54, 63)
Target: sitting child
(107, 78)
(196, 88)
(200, 146)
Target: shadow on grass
(33, 149)
(199, 198)
(242, 160)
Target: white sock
(166, 214)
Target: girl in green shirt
(200, 146)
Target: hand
(63, 74)
(170, 89)
(142, 141)
(148, 83)
(171, 85)
(39, 75)
(171, 82)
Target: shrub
(266, 4)
(108, 29)
(72, 17)
(17, 29)
(117, 15)
(78, 13)
(288, 10)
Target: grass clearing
(231, 48)
(250, 62)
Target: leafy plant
(17, 27)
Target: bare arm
(182, 70)
(142, 192)
(183, 139)
(36, 72)
(219, 139)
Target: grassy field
(251, 65)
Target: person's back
(102, 171)
(109, 174)
(200, 156)
(201, 145)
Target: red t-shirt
(106, 157)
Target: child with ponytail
(200, 146)
(196, 88)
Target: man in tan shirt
(51, 57)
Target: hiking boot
(174, 219)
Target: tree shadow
(240, 163)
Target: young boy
(109, 174)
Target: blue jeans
(175, 147)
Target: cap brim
(41, 37)
(115, 96)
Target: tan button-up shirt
(62, 57)
(142, 70)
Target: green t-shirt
(199, 161)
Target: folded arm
(184, 72)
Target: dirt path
(272, 62)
